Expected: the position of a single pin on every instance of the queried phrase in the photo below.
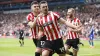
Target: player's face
(71, 13)
(44, 8)
(35, 8)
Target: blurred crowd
(11, 23)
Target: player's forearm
(67, 23)
(40, 34)
(32, 24)
(70, 25)
(74, 30)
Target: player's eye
(34, 6)
(38, 6)
(44, 6)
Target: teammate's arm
(79, 30)
(73, 30)
(32, 24)
(68, 23)
(40, 34)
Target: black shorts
(39, 43)
(55, 45)
(73, 43)
(21, 38)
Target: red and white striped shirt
(50, 25)
(73, 35)
(30, 17)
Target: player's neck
(35, 14)
(44, 14)
(72, 18)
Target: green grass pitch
(11, 47)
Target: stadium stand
(12, 13)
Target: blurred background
(13, 14)
(13, 18)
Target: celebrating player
(73, 34)
(48, 22)
(32, 20)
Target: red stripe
(33, 30)
(50, 18)
(75, 35)
(41, 22)
(28, 17)
(74, 20)
(55, 20)
(32, 16)
(47, 35)
(69, 35)
(49, 30)
(72, 35)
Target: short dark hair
(42, 2)
(34, 2)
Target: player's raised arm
(56, 15)
(68, 23)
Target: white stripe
(73, 32)
(70, 36)
(68, 30)
(74, 23)
(36, 27)
(48, 19)
(39, 20)
(59, 36)
(48, 33)
(49, 26)
(77, 35)
(40, 23)
(52, 26)
(56, 15)
(33, 33)
(73, 35)
(31, 17)
(27, 17)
